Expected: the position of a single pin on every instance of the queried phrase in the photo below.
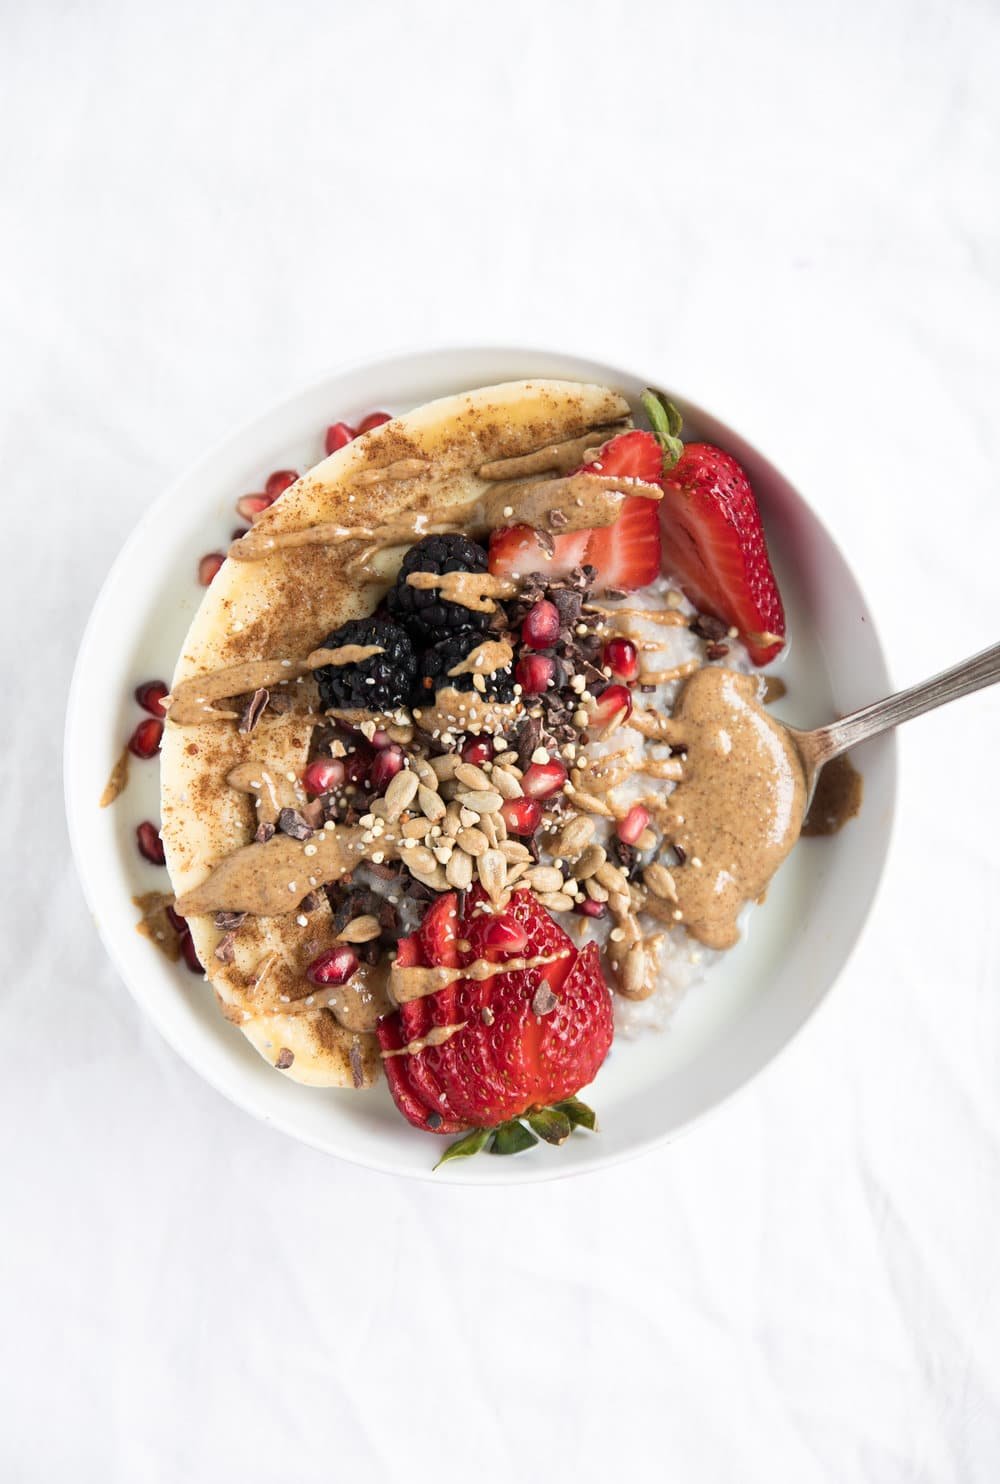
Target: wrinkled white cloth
(792, 209)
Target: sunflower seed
(505, 783)
(459, 870)
(445, 765)
(420, 859)
(436, 879)
(545, 878)
(590, 861)
(452, 820)
(442, 852)
(591, 805)
(431, 803)
(474, 842)
(610, 876)
(556, 901)
(485, 802)
(573, 837)
(425, 772)
(360, 930)
(493, 873)
(513, 850)
(595, 891)
(401, 793)
(660, 882)
(472, 776)
(633, 974)
(415, 829)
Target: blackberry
(423, 610)
(434, 664)
(382, 682)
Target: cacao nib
(707, 627)
(253, 710)
(291, 823)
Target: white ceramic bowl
(726, 1030)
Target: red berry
(149, 842)
(338, 435)
(209, 566)
(150, 697)
(145, 740)
(324, 774)
(333, 967)
(631, 827)
(622, 658)
(613, 698)
(387, 764)
(177, 922)
(252, 506)
(542, 780)
(505, 937)
(587, 908)
(278, 482)
(190, 953)
(534, 673)
(521, 816)
(541, 625)
(373, 420)
(477, 750)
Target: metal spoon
(816, 748)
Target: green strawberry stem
(666, 423)
(554, 1125)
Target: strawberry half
(714, 542)
(626, 554)
(713, 536)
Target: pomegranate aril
(622, 658)
(588, 908)
(333, 967)
(613, 698)
(177, 922)
(386, 765)
(631, 827)
(357, 765)
(521, 816)
(534, 673)
(477, 750)
(338, 435)
(373, 420)
(541, 625)
(542, 780)
(190, 953)
(209, 566)
(324, 774)
(149, 842)
(278, 482)
(145, 740)
(150, 697)
(252, 506)
(506, 937)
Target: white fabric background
(792, 208)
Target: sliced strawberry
(633, 455)
(515, 551)
(627, 554)
(714, 543)
(439, 933)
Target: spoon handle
(973, 674)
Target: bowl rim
(450, 1174)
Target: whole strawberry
(486, 1052)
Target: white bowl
(726, 1030)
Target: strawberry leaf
(467, 1145)
(579, 1115)
(551, 1124)
(512, 1137)
(666, 423)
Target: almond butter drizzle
(192, 700)
(676, 672)
(474, 590)
(270, 878)
(486, 659)
(155, 925)
(117, 779)
(344, 654)
(654, 726)
(559, 458)
(668, 617)
(271, 794)
(413, 982)
(435, 1037)
(392, 473)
